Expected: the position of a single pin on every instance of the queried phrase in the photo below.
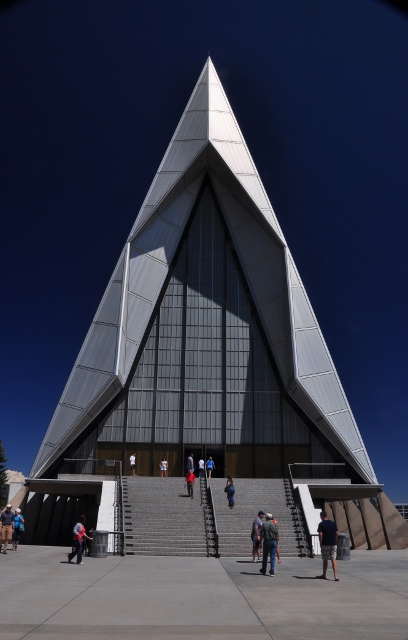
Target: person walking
(328, 533)
(79, 535)
(190, 478)
(269, 541)
(163, 467)
(18, 528)
(201, 468)
(190, 463)
(230, 491)
(256, 536)
(132, 461)
(210, 466)
(7, 526)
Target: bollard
(343, 546)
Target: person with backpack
(230, 491)
(269, 540)
(190, 478)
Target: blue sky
(91, 95)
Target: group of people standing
(208, 466)
(11, 526)
(202, 466)
(265, 537)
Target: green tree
(3, 476)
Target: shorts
(255, 542)
(329, 552)
(132, 466)
(7, 531)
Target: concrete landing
(162, 598)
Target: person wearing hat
(256, 536)
(18, 528)
(269, 539)
(7, 526)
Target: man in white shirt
(132, 461)
(201, 468)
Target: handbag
(21, 526)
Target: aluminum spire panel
(207, 142)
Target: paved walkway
(166, 598)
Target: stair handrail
(119, 511)
(308, 533)
(211, 505)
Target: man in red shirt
(190, 477)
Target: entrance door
(217, 453)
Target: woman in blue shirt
(18, 528)
(210, 466)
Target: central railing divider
(211, 505)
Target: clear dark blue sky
(91, 93)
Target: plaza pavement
(42, 597)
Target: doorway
(217, 453)
(197, 450)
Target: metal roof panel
(99, 349)
(311, 353)
(235, 155)
(326, 392)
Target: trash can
(100, 544)
(343, 546)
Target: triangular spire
(207, 119)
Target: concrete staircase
(252, 495)
(161, 520)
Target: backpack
(271, 531)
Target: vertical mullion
(224, 354)
(252, 347)
(154, 408)
(125, 428)
(183, 349)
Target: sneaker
(79, 563)
(69, 559)
(258, 560)
(272, 574)
(263, 571)
(5, 553)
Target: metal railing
(309, 536)
(211, 505)
(119, 514)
